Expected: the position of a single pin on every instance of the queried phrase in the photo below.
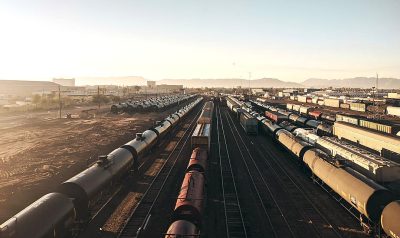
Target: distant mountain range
(123, 80)
(358, 82)
(230, 83)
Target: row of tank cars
(188, 211)
(151, 104)
(66, 211)
(355, 175)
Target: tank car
(84, 187)
(368, 197)
(293, 117)
(131, 107)
(390, 219)
(189, 205)
(288, 126)
(301, 121)
(182, 228)
(313, 123)
(142, 143)
(270, 128)
(173, 119)
(50, 216)
(117, 108)
(324, 130)
(161, 128)
(198, 160)
(182, 112)
(294, 145)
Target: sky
(289, 40)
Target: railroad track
(140, 217)
(322, 226)
(298, 199)
(234, 222)
(278, 225)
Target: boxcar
(276, 116)
(249, 123)
(390, 129)
(348, 119)
(332, 102)
(356, 106)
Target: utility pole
(59, 100)
(98, 94)
(249, 82)
(377, 81)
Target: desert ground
(38, 151)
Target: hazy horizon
(291, 41)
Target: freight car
(390, 219)
(85, 187)
(120, 107)
(55, 214)
(152, 104)
(187, 216)
(381, 125)
(315, 114)
(304, 110)
(328, 117)
(366, 196)
(189, 205)
(288, 126)
(292, 144)
(324, 130)
(356, 106)
(332, 102)
(306, 135)
(270, 128)
(373, 166)
(312, 123)
(349, 119)
(276, 116)
(50, 216)
(201, 136)
(207, 113)
(387, 145)
(198, 160)
(249, 123)
(232, 104)
(358, 191)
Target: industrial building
(23, 88)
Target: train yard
(217, 167)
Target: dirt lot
(38, 152)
